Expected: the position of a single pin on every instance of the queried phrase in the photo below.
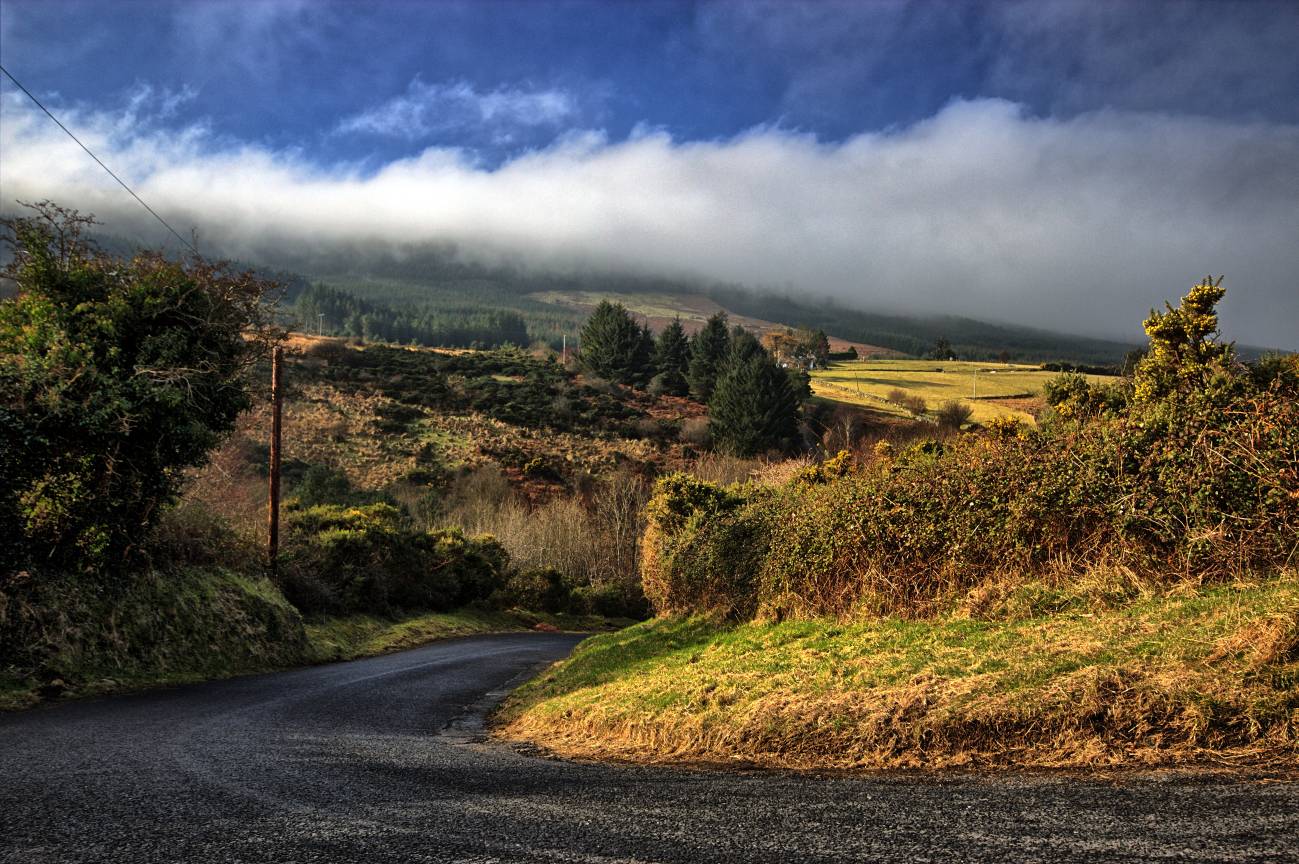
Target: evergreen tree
(672, 359)
(614, 346)
(645, 356)
(708, 353)
(753, 408)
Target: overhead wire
(99, 161)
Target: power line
(100, 162)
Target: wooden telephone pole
(277, 400)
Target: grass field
(990, 389)
(1054, 678)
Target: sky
(1067, 165)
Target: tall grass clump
(1187, 472)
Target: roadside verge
(1197, 676)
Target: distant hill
(554, 304)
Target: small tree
(942, 349)
(115, 377)
(708, 352)
(814, 346)
(614, 345)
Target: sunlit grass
(868, 383)
(1158, 680)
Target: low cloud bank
(1078, 224)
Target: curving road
(383, 760)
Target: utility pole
(565, 354)
(974, 378)
(277, 399)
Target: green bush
(700, 547)
(953, 414)
(340, 559)
(115, 377)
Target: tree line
(348, 315)
(753, 403)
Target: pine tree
(708, 352)
(644, 359)
(614, 346)
(672, 360)
(754, 407)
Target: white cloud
(427, 109)
(1079, 224)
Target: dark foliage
(115, 376)
(467, 327)
(754, 407)
(506, 384)
(709, 350)
(369, 559)
(672, 359)
(615, 347)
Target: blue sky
(968, 157)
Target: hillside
(553, 304)
(1114, 586)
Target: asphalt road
(383, 760)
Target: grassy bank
(1160, 679)
(63, 637)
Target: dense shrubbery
(506, 384)
(1197, 477)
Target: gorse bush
(1195, 481)
(340, 559)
